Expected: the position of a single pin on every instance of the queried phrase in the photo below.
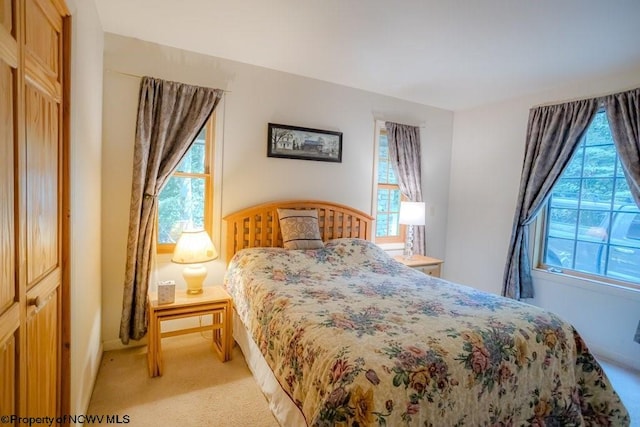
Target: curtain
(553, 133)
(623, 112)
(404, 156)
(170, 116)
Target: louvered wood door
(33, 203)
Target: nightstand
(214, 301)
(427, 265)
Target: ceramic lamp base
(194, 275)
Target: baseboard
(615, 358)
(94, 378)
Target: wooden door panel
(7, 189)
(42, 356)
(6, 15)
(34, 365)
(8, 376)
(42, 35)
(9, 324)
(42, 219)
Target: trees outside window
(388, 196)
(186, 200)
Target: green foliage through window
(388, 195)
(182, 201)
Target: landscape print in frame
(293, 142)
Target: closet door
(33, 203)
(9, 301)
(42, 199)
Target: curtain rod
(600, 98)
(137, 76)
(422, 125)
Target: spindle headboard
(258, 226)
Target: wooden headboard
(258, 226)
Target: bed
(345, 335)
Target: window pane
(383, 171)
(392, 176)
(625, 230)
(559, 252)
(194, 161)
(562, 223)
(633, 232)
(589, 257)
(394, 227)
(388, 195)
(566, 189)
(382, 225)
(574, 169)
(181, 206)
(599, 160)
(599, 132)
(624, 263)
(383, 200)
(395, 201)
(593, 226)
(623, 194)
(383, 151)
(619, 170)
(599, 190)
(592, 221)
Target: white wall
(487, 155)
(85, 164)
(256, 97)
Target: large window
(186, 200)
(388, 228)
(592, 224)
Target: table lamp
(193, 248)
(411, 213)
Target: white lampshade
(412, 213)
(194, 247)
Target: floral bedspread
(358, 339)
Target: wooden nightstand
(425, 264)
(214, 301)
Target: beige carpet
(196, 389)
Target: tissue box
(166, 292)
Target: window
(591, 223)
(388, 196)
(186, 199)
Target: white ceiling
(453, 54)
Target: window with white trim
(591, 224)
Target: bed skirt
(284, 410)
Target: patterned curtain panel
(404, 156)
(553, 133)
(623, 112)
(170, 115)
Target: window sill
(626, 291)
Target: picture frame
(294, 142)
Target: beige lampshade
(412, 213)
(194, 247)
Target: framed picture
(292, 142)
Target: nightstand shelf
(214, 301)
(425, 264)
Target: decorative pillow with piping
(300, 229)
